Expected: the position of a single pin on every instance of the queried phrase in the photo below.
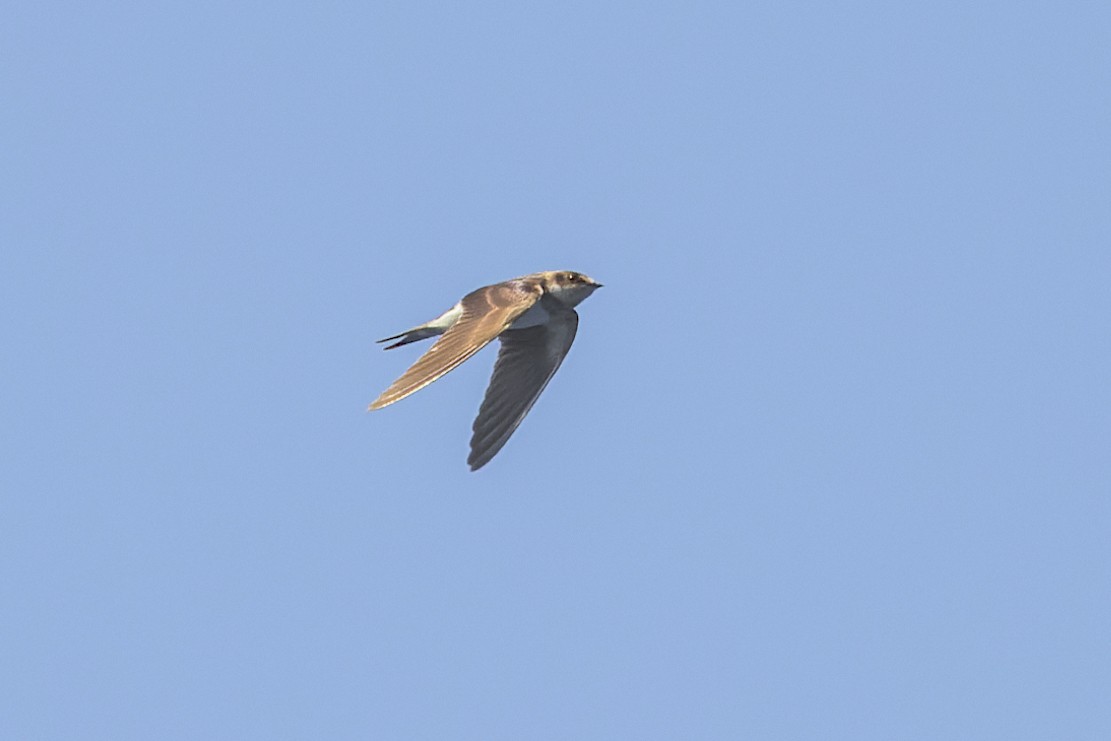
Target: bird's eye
(572, 277)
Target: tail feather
(413, 335)
(434, 328)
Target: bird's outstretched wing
(526, 362)
(487, 312)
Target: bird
(535, 320)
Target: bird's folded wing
(526, 362)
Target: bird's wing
(526, 362)
(487, 312)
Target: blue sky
(829, 458)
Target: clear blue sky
(830, 458)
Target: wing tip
(380, 402)
(476, 462)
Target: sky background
(830, 458)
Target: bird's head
(568, 287)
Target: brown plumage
(536, 322)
